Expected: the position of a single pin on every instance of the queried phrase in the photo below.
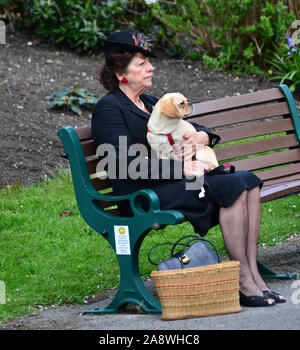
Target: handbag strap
(192, 239)
(158, 245)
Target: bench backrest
(265, 124)
(100, 184)
(259, 131)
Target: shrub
(240, 35)
(76, 23)
(287, 64)
(230, 34)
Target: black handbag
(225, 168)
(191, 255)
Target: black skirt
(219, 191)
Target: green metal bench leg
(132, 293)
(132, 288)
(268, 273)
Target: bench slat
(280, 172)
(269, 160)
(244, 149)
(84, 133)
(237, 101)
(92, 165)
(101, 184)
(257, 129)
(115, 212)
(106, 204)
(242, 115)
(282, 180)
(275, 192)
(89, 148)
(105, 185)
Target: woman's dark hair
(117, 62)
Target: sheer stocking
(240, 228)
(254, 220)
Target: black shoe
(255, 300)
(273, 295)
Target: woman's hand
(193, 168)
(188, 148)
(196, 138)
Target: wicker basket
(198, 291)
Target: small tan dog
(166, 127)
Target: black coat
(115, 115)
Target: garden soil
(30, 71)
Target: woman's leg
(254, 219)
(234, 226)
(254, 215)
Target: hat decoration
(142, 41)
(127, 41)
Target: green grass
(49, 256)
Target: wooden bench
(267, 125)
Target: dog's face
(175, 105)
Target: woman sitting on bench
(231, 200)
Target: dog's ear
(169, 109)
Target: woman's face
(139, 72)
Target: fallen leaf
(65, 213)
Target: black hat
(125, 41)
